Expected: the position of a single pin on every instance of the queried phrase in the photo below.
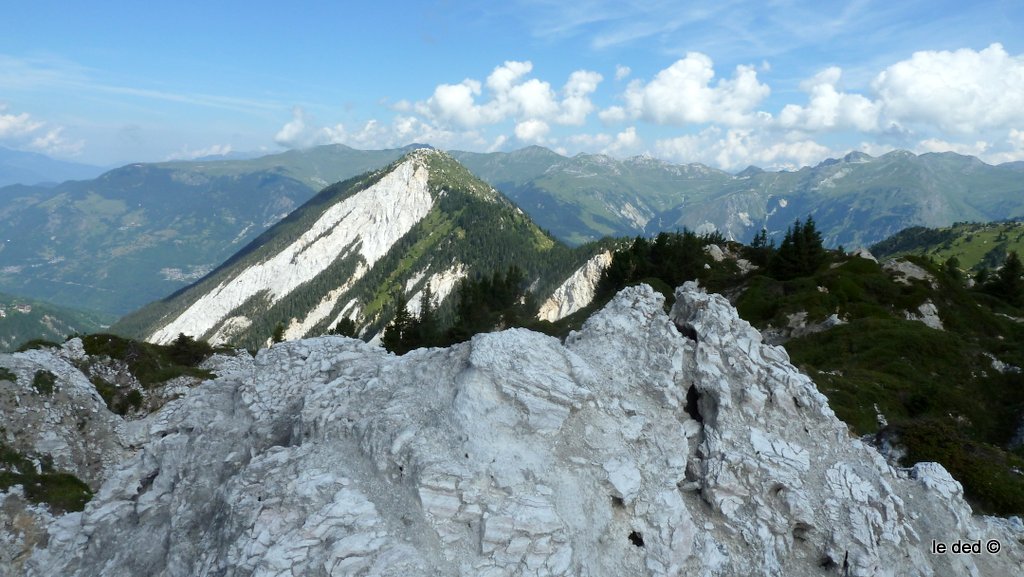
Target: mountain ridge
(157, 227)
(33, 168)
(353, 251)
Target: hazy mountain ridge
(859, 200)
(156, 227)
(32, 168)
(856, 200)
(587, 197)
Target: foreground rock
(647, 444)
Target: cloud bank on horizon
(782, 85)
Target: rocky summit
(645, 444)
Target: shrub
(151, 364)
(63, 492)
(986, 472)
(37, 344)
(43, 382)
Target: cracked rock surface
(647, 444)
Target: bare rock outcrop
(646, 444)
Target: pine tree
(801, 252)
(278, 335)
(392, 339)
(1008, 281)
(424, 330)
(345, 328)
(814, 255)
(761, 249)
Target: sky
(776, 84)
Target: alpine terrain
(645, 444)
(142, 231)
(357, 252)
(857, 200)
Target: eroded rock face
(70, 423)
(577, 291)
(647, 444)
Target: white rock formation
(928, 314)
(864, 253)
(904, 271)
(797, 326)
(629, 450)
(441, 284)
(715, 252)
(577, 291)
(72, 424)
(367, 223)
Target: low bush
(43, 382)
(62, 492)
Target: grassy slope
(973, 244)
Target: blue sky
(733, 83)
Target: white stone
(512, 454)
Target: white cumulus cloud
(511, 95)
(16, 125)
(829, 108)
(532, 130)
(683, 93)
(962, 91)
(938, 145)
(23, 131)
(186, 153)
(738, 148)
(625, 143)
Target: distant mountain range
(19, 167)
(23, 319)
(142, 231)
(856, 200)
(138, 233)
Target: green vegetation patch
(973, 244)
(152, 364)
(119, 400)
(904, 367)
(7, 375)
(35, 344)
(43, 382)
(63, 492)
(991, 476)
(852, 288)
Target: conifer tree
(278, 335)
(392, 339)
(345, 327)
(1008, 281)
(801, 252)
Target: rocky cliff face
(577, 291)
(368, 223)
(646, 444)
